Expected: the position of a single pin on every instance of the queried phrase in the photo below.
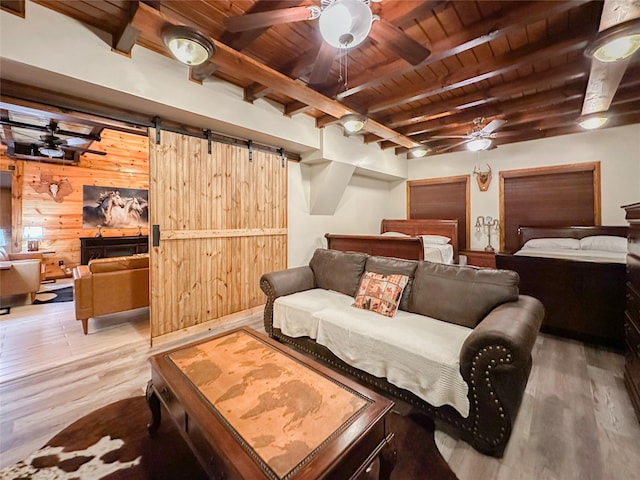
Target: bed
(423, 239)
(579, 274)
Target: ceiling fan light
(51, 152)
(353, 123)
(479, 144)
(616, 43)
(345, 23)
(592, 122)
(188, 46)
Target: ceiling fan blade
(322, 65)
(446, 137)
(492, 125)
(251, 21)
(452, 146)
(402, 44)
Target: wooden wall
(126, 165)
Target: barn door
(218, 222)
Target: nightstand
(480, 258)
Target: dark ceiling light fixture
(187, 45)
(616, 43)
(353, 122)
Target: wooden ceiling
(519, 61)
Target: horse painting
(130, 214)
(102, 214)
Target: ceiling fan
(479, 138)
(343, 24)
(51, 144)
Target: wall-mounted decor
(112, 207)
(56, 189)
(483, 178)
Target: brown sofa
(110, 285)
(20, 274)
(494, 360)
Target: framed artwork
(111, 207)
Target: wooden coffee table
(252, 408)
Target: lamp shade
(32, 233)
(345, 23)
(187, 45)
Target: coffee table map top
(276, 407)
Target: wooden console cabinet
(632, 313)
(102, 247)
(480, 258)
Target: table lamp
(33, 235)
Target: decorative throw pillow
(380, 293)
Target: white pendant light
(188, 46)
(345, 23)
(479, 144)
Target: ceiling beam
(509, 62)
(550, 78)
(150, 22)
(126, 37)
(484, 31)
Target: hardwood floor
(576, 421)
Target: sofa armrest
(513, 325)
(83, 292)
(495, 361)
(281, 283)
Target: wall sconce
(490, 224)
(188, 46)
(33, 236)
(616, 43)
(593, 121)
(353, 122)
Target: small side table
(480, 258)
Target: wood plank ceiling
(519, 61)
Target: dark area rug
(54, 296)
(112, 443)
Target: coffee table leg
(154, 405)
(388, 457)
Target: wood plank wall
(126, 165)
(223, 223)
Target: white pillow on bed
(435, 239)
(553, 243)
(607, 243)
(394, 234)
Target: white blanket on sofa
(414, 352)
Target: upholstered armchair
(20, 274)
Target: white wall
(363, 205)
(617, 149)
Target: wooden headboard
(427, 226)
(527, 233)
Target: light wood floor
(576, 421)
